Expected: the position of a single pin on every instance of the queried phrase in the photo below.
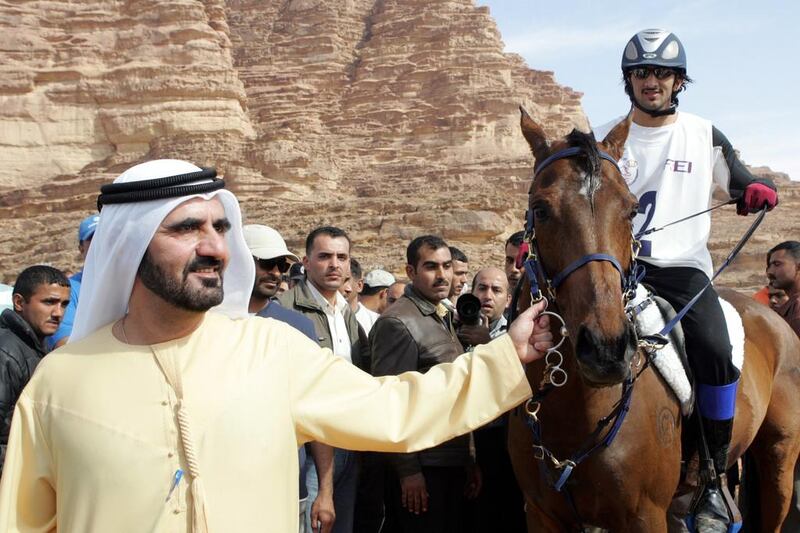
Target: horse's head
(582, 212)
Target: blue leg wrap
(717, 402)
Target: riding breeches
(708, 346)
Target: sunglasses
(269, 264)
(661, 73)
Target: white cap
(378, 278)
(265, 243)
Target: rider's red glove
(755, 197)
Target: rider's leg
(709, 350)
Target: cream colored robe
(95, 441)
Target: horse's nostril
(604, 360)
(585, 345)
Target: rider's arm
(729, 172)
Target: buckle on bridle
(538, 452)
(653, 342)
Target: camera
(468, 308)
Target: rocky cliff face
(389, 118)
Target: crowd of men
(373, 320)
(381, 324)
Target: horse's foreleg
(649, 518)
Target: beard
(261, 292)
(179, 292)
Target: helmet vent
(671, 50)
(631, 52)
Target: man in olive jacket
(417, 333)
(327, 264)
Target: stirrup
(734, 515)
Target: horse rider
(672, 161)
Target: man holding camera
(490, 288)
(499, 506)
(417, 333)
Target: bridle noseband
(533, 265)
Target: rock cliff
(389, 118)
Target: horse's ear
(614, 142)
(534, 135)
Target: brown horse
(581, 205)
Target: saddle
(651, 313)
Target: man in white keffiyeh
(171, 410)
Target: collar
(498, 326)
(424, 305)
(11, 320)
(341, 303)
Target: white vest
(672, 170)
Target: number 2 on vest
(647, 206)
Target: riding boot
(717, 405)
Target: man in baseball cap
(272, 259)
(85, 234)
(376, 286)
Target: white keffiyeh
(122, 237)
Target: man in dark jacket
(416, 333)
(40, 296)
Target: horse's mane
(589, 160)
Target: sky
(742, 56)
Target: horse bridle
(533, 265)
(554, 376)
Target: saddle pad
(668, 362)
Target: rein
(684, 219)
(660, 339)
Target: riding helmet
(658, 48)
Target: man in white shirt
(373, 299)
(672, 162)
(327, 265)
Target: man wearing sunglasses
(672, 162)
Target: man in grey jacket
(327, 264)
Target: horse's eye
(634, 212)
(540, 213)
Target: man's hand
(414, 494)
(756, 196)
(474, 481)
(323, 514)
(530, 333)
(475, 335)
